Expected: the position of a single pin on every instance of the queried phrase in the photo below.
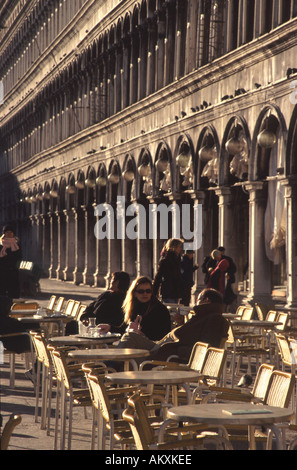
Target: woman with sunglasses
(144, 314)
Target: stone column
(90, 247)
(53, 245)
(69, 246)
(226, 229)
(45, 243)
(61, 264)
(291, 242)
(114, 249)
(259, 265)
(198, 198)
(79, 237)
(101, 257)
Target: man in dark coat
(207, 325)
(107, 308)
(10, 256)
(187, 270)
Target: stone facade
(158, 101)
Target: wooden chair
(238, 350)
(59, 304)
(80, 312)
(69, 392)
(69, 307)
(75, 309)
(108, 403)
(147, 436)
(277, 392)
(8, 429)
(257, 394)
(52, 302)
(196, 360)
(46, 372)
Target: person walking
(10, 256)
(187, 270)
(168, 279)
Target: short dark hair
(221, 248)
(212, 295)
(123, 278)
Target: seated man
(207, 325)
(9, 325)
(107, 308)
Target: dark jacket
(155, 323)
(207, 325)
(107, 308)
(169, 277)
(9, 273)
(187, 270)
(17, 344)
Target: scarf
(7, 243)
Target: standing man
(187, 270)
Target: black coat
(155, 321)
(17, 344)
(9, 273)
(107, 308)
(169, 277)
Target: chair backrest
(13, 421)
(262, 310)
(81, 310)
(262, 381)
(280, 389)
(40, 347)
(99, 395)
(283, 318)
(239, 310)
(247, 313)
(69, 307)
(287, 352)
(214, 364)
(197, 356)
(61, 367)
(51, 302)
(137, 417)
(25, 306)
(271, 315)
(59, 304)
(75, 309)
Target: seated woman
(142, 312)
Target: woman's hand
(104, 327)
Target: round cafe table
(77, 340)
(60, 320)
(157, 377)
(113, 354)
(224, 414)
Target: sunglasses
(144, 291)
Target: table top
(120, 354)
(259, 323)
(15, 313)
(82, 341)
(230, 413)
(41, 319)
(161, 377)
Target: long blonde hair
(128, 304)
(172, 244)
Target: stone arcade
(158, 101)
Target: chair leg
(12, 369)
(58, 400)
(37, 392)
